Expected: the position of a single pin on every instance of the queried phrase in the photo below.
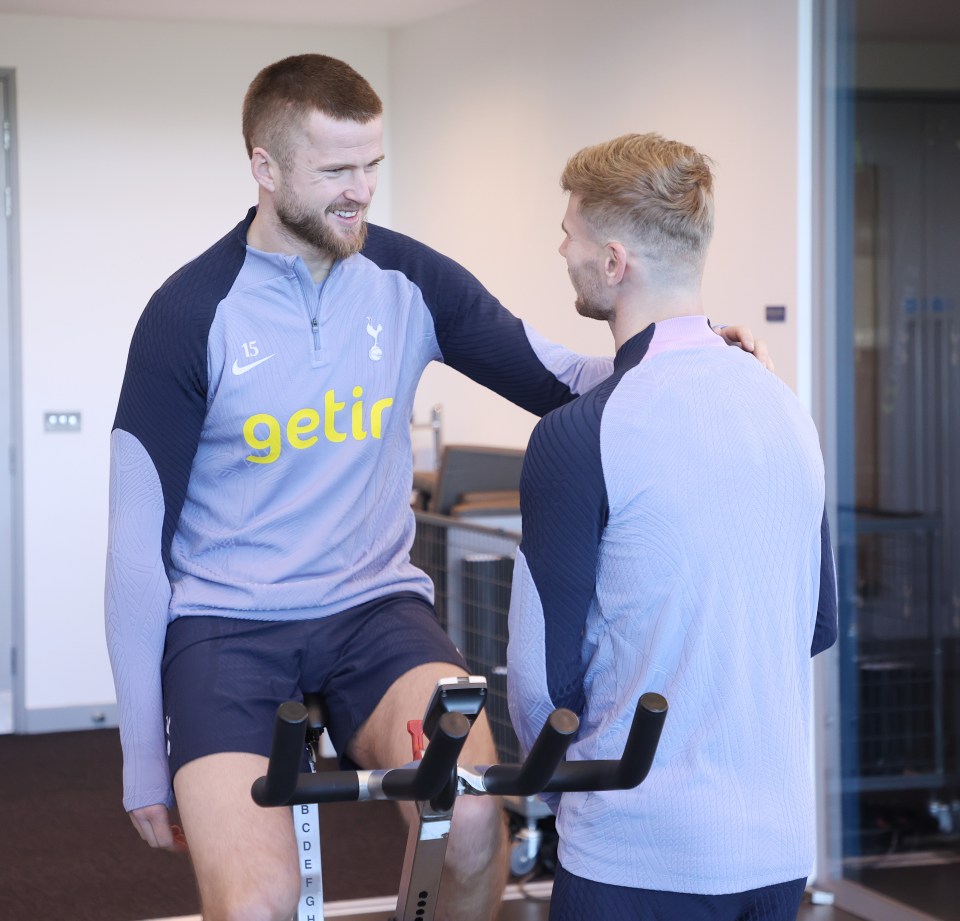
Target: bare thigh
(244, 856)
(383, 741)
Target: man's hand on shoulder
(153, 824)
(741, 335)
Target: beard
(590, 302)
(311, 227)
(592, 310)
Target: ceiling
(378, 13)
(876, 20)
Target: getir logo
(264, 432)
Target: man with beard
(665, 550)
(260, 523)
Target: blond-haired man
(665, 549)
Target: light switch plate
(61, 421)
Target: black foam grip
(439, 761)
(633, 766)
(546, 754)
(286, 753)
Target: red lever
(415, 728)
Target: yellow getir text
(263, 432)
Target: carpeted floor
(68, 850)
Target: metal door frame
(11, 433)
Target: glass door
(900, 684)
(890, 413)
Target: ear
(264, 168)
(614, 263)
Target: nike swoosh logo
(242, 369)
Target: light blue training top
(261, 464)
(674, 540)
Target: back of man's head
(651, 193)
(283, 94)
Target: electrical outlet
(61, 421)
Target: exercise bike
(436, 781)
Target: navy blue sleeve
(564, 508)
(476, 334)
(163, 398)
(825, 631)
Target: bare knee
(269, 893)
(269, 900)
(478, 834)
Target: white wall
(131, 162)
(489, 101)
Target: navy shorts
(223, 678)
(575, 898)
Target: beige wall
(131, 162)
(489, 101)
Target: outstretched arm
(476, 335)
(479, 337)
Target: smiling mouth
(345, 214)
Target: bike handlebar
(634, 764)
(541, 772)
(545, 756)
(285, 785)
(583, 776)
(286, 752)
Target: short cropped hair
(283, 94)
(658, 193)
